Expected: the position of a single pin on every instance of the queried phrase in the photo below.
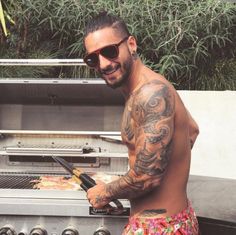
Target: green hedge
(192, 43)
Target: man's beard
(127, 66)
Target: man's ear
(132, 44)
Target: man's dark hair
(103, 20)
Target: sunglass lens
(110, 52)
(91, 60)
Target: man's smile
(110, 70)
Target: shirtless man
(157, 129)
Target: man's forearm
(130, 186)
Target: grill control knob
(102, 231)
(38, 231)
(70, 231)
(7, 230)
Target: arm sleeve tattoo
(152, 111)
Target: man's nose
(103, 62)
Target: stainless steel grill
(77, 120)
(40, 210)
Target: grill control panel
(9, 230)
(59, 226)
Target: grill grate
(23, 180)
(17, 181)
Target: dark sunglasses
(110, 52)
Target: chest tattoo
(127, 128)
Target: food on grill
(56, 182)
(68, 183)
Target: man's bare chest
(127, 124)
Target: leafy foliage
(190, 42)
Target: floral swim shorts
(183, 223)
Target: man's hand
(97, 195)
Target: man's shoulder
(153, 99)
(154, 88)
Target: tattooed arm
(153, 116)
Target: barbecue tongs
(86, 182)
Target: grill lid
(58, 92)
